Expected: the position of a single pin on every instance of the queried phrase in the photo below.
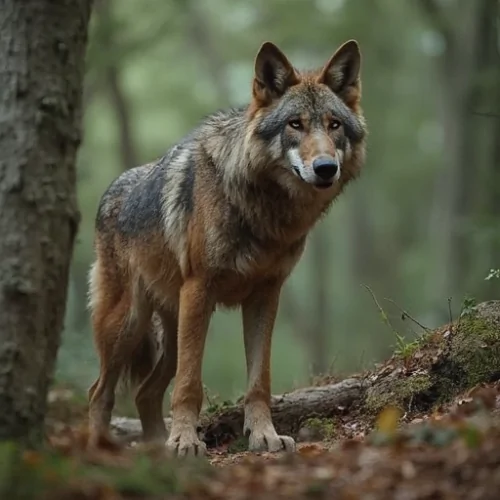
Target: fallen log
(433, 370)
(289, 412)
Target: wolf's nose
(325, 167)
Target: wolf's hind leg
(259, 314)
(149, 397)
(119, 329)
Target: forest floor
(449, 450)
(453, 453)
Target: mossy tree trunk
(42, 50)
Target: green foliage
(238, 445)
(468, 305)
(215, 407)
(397, 391)
(494, 273)
(406, 349)
(322, 428)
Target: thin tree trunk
(311, 325)
(121, 108)
(42, 49)
(461, 25)
(318, 341)
(129, 156)
(487, 194)
(201, 36)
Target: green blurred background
(419, 227)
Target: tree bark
(42, 49)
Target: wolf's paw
(269, 440)
(184, 442)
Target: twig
(362, 360)
(486, 113)
(205, 390)
(450, 314)
(385, 318)
(408, 315)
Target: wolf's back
(118, 196)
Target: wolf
(220, 220)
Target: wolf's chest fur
(260, 239)
(261, 232)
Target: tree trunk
(311, 324)
(128, 151)
(487, 121)
(42, 48)
(319, 332)
(466, 28)
(106, 39)
(201, 38)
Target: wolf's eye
(335, 124)
(296, 124)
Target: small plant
(322, 428)
(467, 306)
(402, 348)
(405, 349)
(238, 445)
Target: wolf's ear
(342, 72)
(273, 74)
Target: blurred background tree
(420, 226)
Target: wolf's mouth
(319, 185)
(323, 185)
(297, 171)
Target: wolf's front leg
(259, 314)
(195, 309)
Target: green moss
(447, 365)
(398, 392)
(475, 350)
(238, 445)
(324, 428)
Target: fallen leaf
(387, 421)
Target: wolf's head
(309, 124)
